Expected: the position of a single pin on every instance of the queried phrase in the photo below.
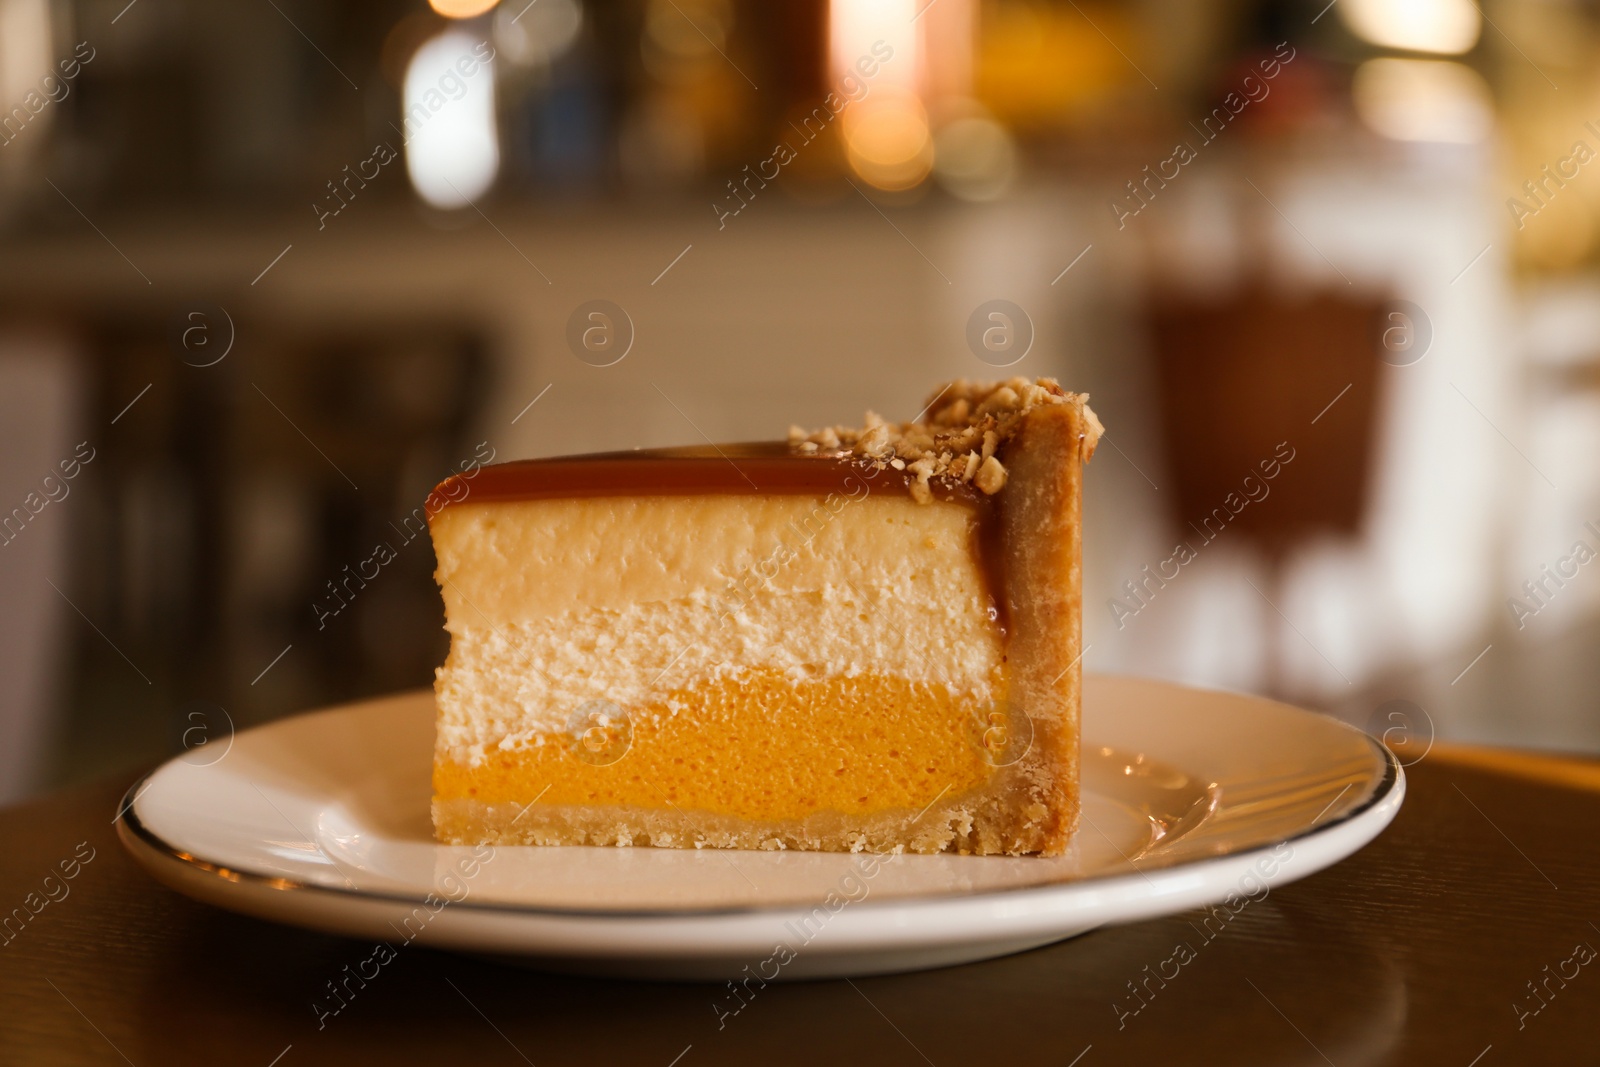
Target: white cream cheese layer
(554, 603)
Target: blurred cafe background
(270, 269)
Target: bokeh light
(452, 140)
(1445, 27)
(887, 140)
(975, 157)
(1423, 100)
(461, 9)
(538, 34)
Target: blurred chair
(38, 400)
(1246, 380)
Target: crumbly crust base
(1005, 818)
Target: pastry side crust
(1043, 542)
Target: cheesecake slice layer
(816, 644)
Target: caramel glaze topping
(754, 469)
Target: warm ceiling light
(461, 9)
(1423, 100)
(887, 138)
(854, 26)
(1447, 27)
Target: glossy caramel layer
(763, 467)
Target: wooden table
(1425, 948)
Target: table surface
(1424, 948)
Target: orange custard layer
(757, 746)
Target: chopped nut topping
(958, 437)
(875, 441)
(991, 477)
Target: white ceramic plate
(322, 820)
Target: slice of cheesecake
(858, 639)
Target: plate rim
(133, 831)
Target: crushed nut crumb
(991, 477)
